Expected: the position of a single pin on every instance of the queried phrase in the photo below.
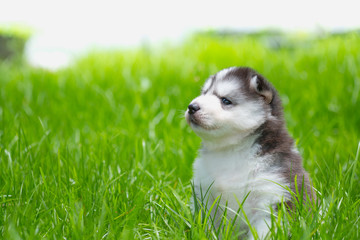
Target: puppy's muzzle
(193, 108)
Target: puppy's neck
(236, 142)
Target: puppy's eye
(226, 101)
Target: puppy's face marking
(229, 104)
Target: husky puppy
(246, 151)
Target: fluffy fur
(246, 149)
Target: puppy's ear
(261, 88)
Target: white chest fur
(235, 173)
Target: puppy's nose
(193, 107)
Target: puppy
(247, 155)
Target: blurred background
(56, 32)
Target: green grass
(101, 149)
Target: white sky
(66, 28)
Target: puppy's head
(234, 101)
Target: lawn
(101, 150)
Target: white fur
(235, 172)
(207, 84)
(229, 164)
(253, 82)
(222, 73)
(224, 88)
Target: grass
(100, 150)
